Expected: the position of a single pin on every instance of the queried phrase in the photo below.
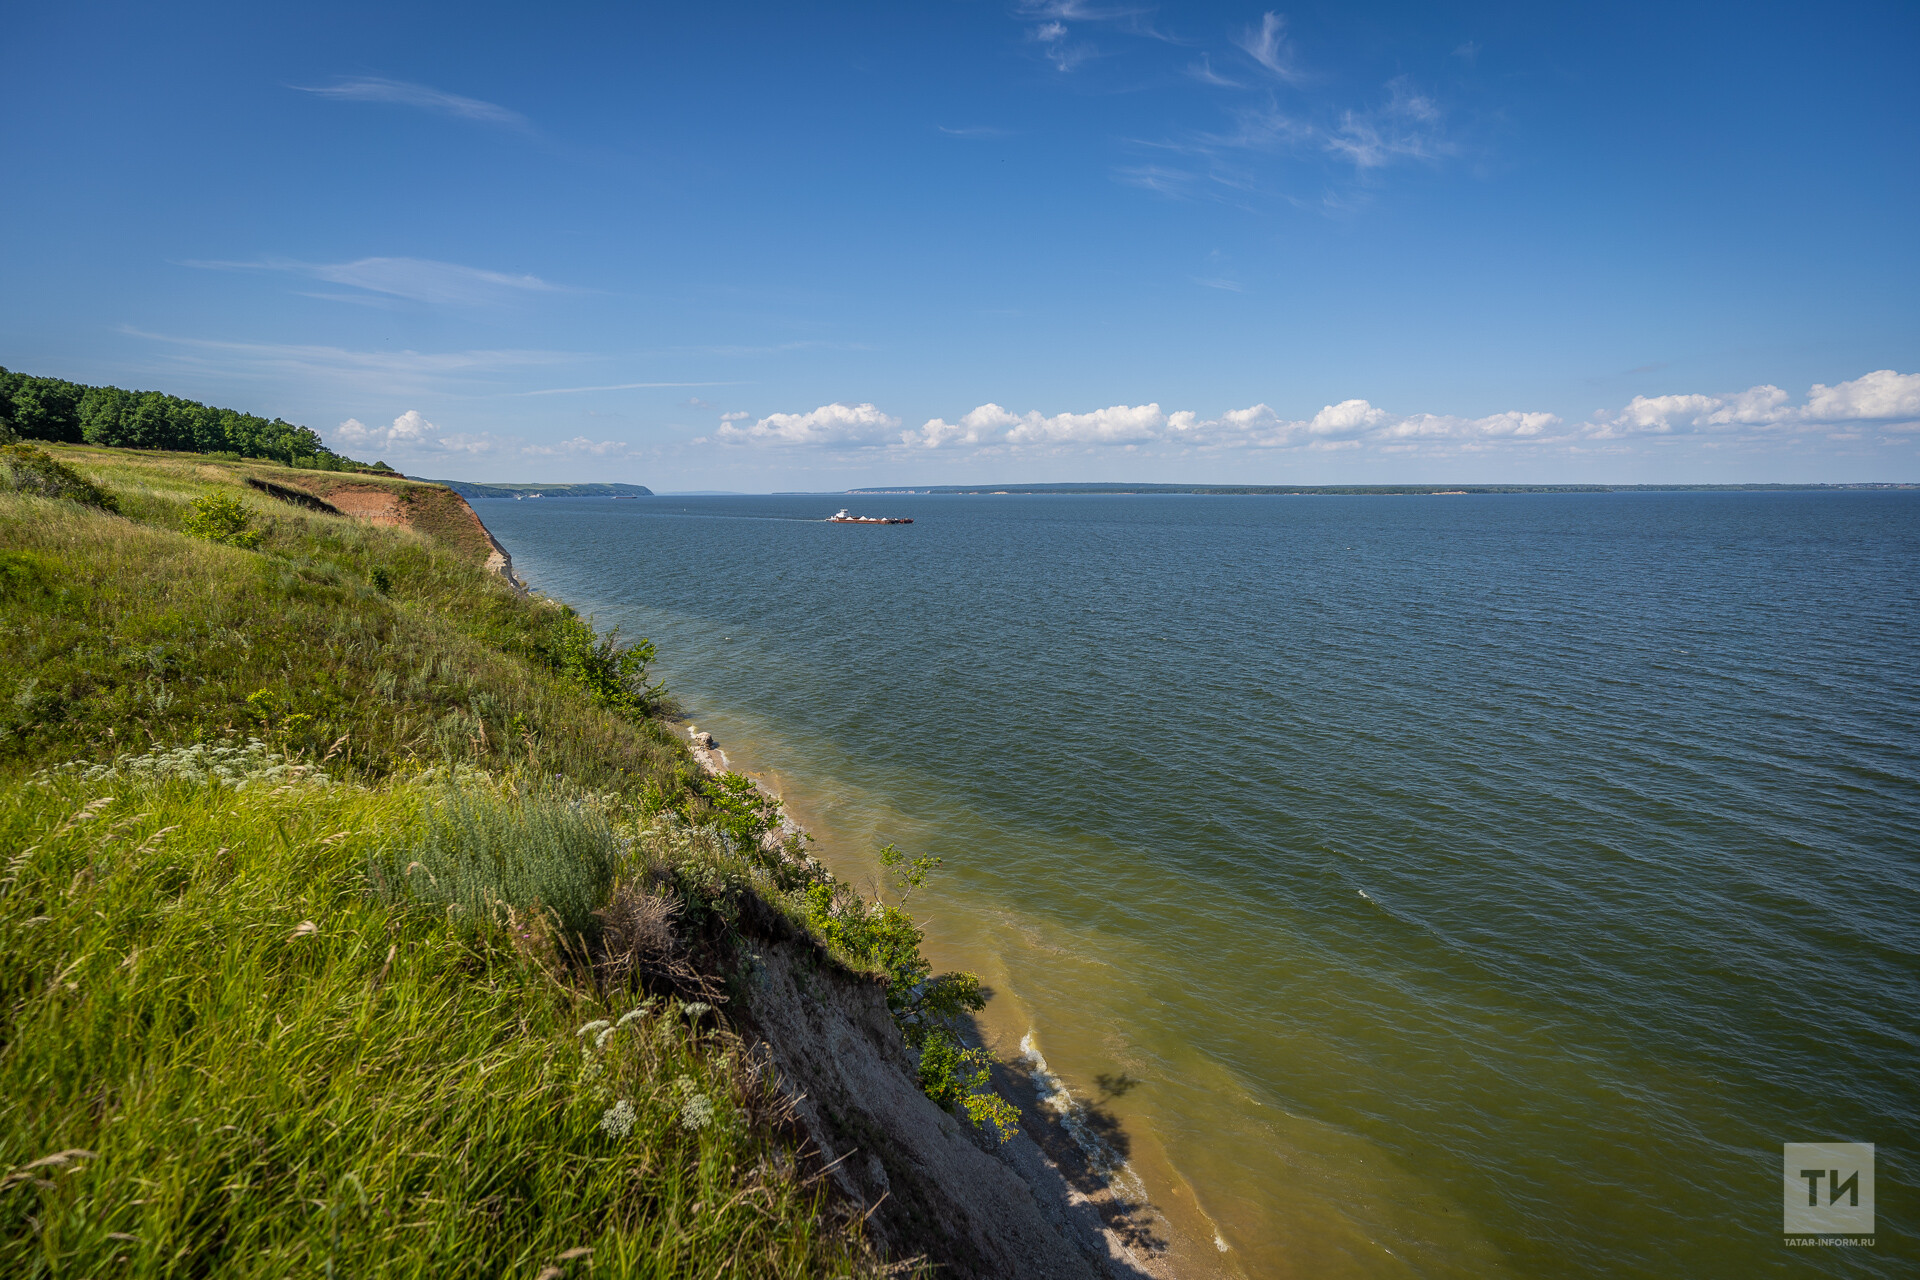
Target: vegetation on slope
(359, 914)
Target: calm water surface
(1464, 886)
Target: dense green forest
(69, 412)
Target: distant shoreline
(1371, 490)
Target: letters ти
(1835, 1187)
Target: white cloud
(1883, 397)
(1845, 412)
(1268, 45)
(1348, 424)
(410, 435)
(415, 279)
(837, 425)
(406, 94)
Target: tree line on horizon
(74, 413)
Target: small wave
(1072, 1114)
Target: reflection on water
(1457, 888)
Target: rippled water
(1450, 886)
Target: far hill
(468, 489)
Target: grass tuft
(483, 853)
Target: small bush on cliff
(613, 673)
(740, 808)
(221, 517)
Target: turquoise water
(1449, 886)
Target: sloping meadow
(360, 915)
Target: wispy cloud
(412, 279)
(395, 373)
(1220, 282)
(582, 447)
(1203, 72)
(1267, 44)
(1058, 46)
(620, 386)
(1275, 107)
(975, 131)
(769, 349)
(1406, 127)
(407, 94)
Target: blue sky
(808, 247)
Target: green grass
(115, 633)
(276, 1071)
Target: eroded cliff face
(928, 1183)
(429, 509)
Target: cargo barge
(843, 516)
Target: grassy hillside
(378, 647)
(359, 915)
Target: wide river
(1412, 886)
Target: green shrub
(954, 1075)
(926, 1007)
(485, 852)
(33, 470)
(614, 674)
(22, 574)
(221, 517)
(738, 807)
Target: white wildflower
(599, 1024)
(696, 1108)
(694, 1008)
(617, 1120)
